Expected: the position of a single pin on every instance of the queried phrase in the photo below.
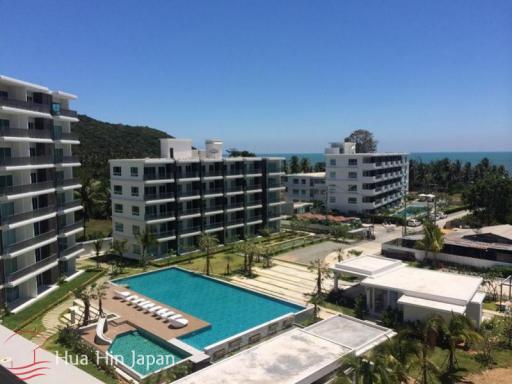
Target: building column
(336, 282)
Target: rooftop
(297, 356)
(367, 265)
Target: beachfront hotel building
(309, 186)
(187, 192)
(38, 211)
(364, 183)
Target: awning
(431, 304)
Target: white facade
(364, 183)
(187, 192)
(305, 187)
(37, 204)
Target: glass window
(135, 211)
(118, 208)
(295, 181)
(332, 162)
(352, 175)
(134, 171)
(352, 162)
(332, 199)
(117, 171)
(352, 200)
(135, 229)
(352, 188)
(332, 175)
(118, 189)
(119, 227)
(135, 191)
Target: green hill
(101, 141)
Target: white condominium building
(187, 192)
(38, 227)
(305, 187)
(364, 183)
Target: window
(135, 211)
(135, 191)
(117, 171)
(352, 188)
(119, 227)
(134, 171)
(332, 162)
(295, 181)
(303, 181)
(118, 208)
(118, 189)
(332, 199)
(135, 229)
(136, 249)
(352, 162)
(352, 175)
(295, 191)
(332, 175)
(352, 200)
(303, 191)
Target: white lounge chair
(166, 314)
(148, 306)
(171, 316)
(137, 301)
(129, 299)
(142, 303)
(121, 295)
(162, 312)
(155, 309)
(178, 323)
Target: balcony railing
(67, 182)
(212, 208)
(69, 251)
(212, 191)
(159, 196)
(32, 160)
(187, 175)
(23, 104)
(162, 234)
(68, 113)
(32, 241)
(254, 187)
(235, 221)
(69, 204)
(159, 176)
(32, 133)
(159, 215)
(18, 189)
(71, 227)
(185, 230)
(213, 173)
(254, 218)
(238, 188)
(214, 225)
(65, 136)
(27, 215)
(187, 193)
(190, 211)
(236, 204)
(31, 268)
(67, 159)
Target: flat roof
(30, 359)
(430, 284)
(296, 356)
(367, 265)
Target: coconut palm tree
(371, 369)
(458, 330)
(85, 294)
(433, 240)
(99, 293)
(119, 247)
(207, 244)
(428, 334)
(97, 245)
(229, 258)
(322, 272)
(146, 240)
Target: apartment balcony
(160, 215)
(160, 176)
(189, 193)
(33, 214)
(254, 219)
(42, 134)
(68, 113)
(69, 136)
(74, 181)
(190, 212)
(214, 226)
(71, 252)
(66, 205)
(30, 243)
(46, 263)
(214, 173)
(165, 235)
(235, 189)
(235, 206)
(235, 173)
(214, 208)
(23, 104)
(237, 222)
(71, 227)
(213, 191)
(187, 175)
(46, 186)
(66, 160)
(190, 230)
(26, 161)
(159, 196)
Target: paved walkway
(51, 321)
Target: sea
(497, 158)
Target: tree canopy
(233, 152)
(365, 142)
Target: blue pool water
(143, 353)
(228, 309)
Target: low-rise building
(305, 187)
(187, 192)
(419, 293)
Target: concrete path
(51, 321)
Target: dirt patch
(494, 376)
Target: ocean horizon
(498, 158)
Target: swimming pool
(229, 309)
(411, 211)
(144, 354)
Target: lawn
(340, 308)
(42, 305)
(103, 227)
(53, 346)
(218, 263)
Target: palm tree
(428, 334)
(248, 248)
(85, 294)
(146, 240)
(97, 245)
(100, 292)
(229, 258)
(399, 351)
(322, 272)
(458, 330)
(92, 197)
(119, 247)
(365, 370)
(267, 255)
(433, 240)
(207, 243)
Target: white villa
(419, 292)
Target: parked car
(413, 223)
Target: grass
(53, 346)
(490, 306)
(339, 308)
(42, 305)
(217, 262)
(103, 227)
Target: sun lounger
(171, 315)
(137, 301)
(162, 312)
(121, 295)
(166, 314)
(148, 306)
(155, 309)
(132, 298)
(180, 322)
(142, 303)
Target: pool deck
(131, 318)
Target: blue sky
(277, 76)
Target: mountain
(101, 141)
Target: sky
(276, 76)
